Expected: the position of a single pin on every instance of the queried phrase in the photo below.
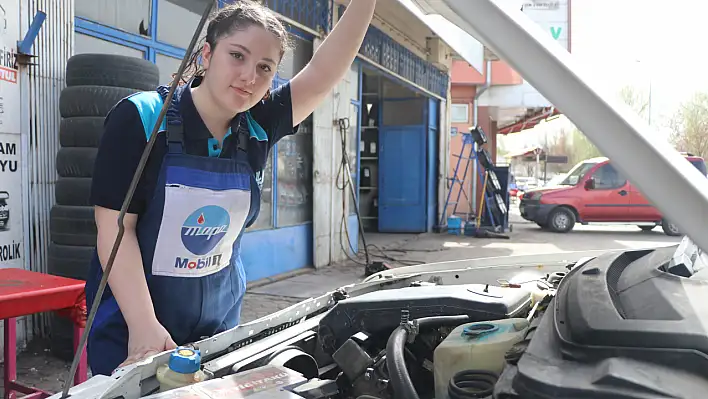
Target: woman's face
(241, 68)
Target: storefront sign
(9, 75)
(11, 235)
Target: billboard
(11, 232)
(552, 16)
(11, 182)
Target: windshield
(699, 164)
(576, 173)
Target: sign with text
(9, 75)
(11, 234)
(552, 16)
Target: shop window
(177, 19)
(265, 218)
(131, 16)
(168, 66)
(84, 44)
(295, 176)
(460, 113)
(404, 112)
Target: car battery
(268, 381)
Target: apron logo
(204, 229)
(259, 179)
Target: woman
(178, 276)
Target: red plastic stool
(23, 293)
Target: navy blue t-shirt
(124, 141)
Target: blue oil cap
(185, 360)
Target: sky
(646, 44)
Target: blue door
(402, 179)
(432, 158)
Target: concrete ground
(36, 367)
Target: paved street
(38, 368)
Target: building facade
(390, 110)
(498, 99)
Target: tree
(582, 148)
(689, 125)
(558, 144)
(636, 100)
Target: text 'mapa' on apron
(189, 238)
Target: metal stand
(469, 155)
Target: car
(595, 192)
(595, 324)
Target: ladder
(455, 181)
(469, 155)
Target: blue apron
(189, 238)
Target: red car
(595, 192)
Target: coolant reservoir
(475, 346)
(183, 369)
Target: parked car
(595, 192)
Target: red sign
(8, 74)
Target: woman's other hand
(147, 340)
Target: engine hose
(401, 382)
(472, 384)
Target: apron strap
(175, 138)
(175, 129)
(243, 135)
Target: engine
(377, 344)
(623, 325)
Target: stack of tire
(95, 83)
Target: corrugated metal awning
(529, 121)
(524, 153)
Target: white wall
(328, 230)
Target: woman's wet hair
(240, 15)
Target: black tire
(561, 220)
(69, 260)
(72, 262)
(670, 229)
(90, 100)
(111, 70)
(81, 131)
(73, 191)
(61, 341)
(76, 162)
(646, 228)
(72, 225)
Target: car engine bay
(625, 324)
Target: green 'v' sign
(556, 32)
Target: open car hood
(291, 324)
